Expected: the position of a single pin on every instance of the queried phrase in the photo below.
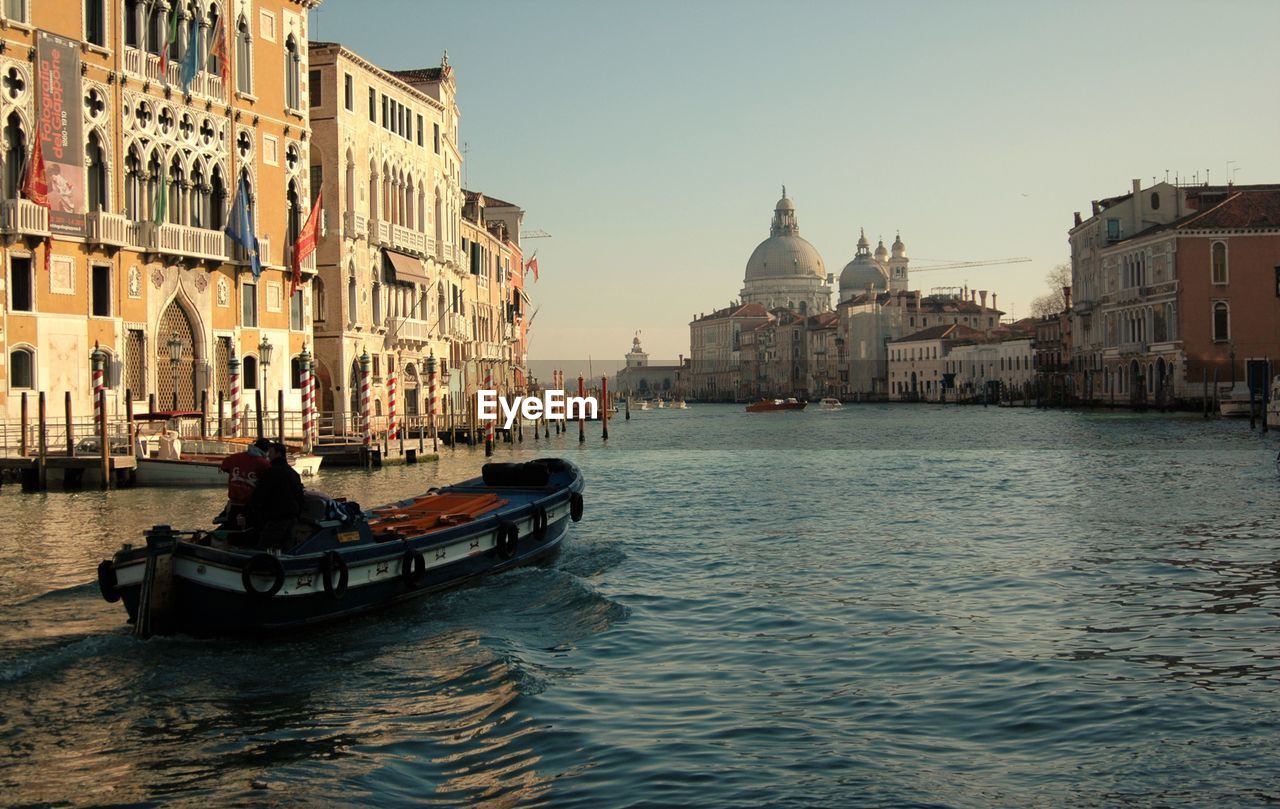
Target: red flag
(306, 244)
(532, 264)
(219, 50)
(35, 187)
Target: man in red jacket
(244, 469)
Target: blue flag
(191, 59)
(240, 225)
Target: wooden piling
(103, 440)
(1204, 374)
(222, 399)
(22, 440)
(257, 401)
(151, 403)
(1214, 392)
(71, 439)
(280, 416)
(129, 426)
(604, 412)
(42, 448)
(582, 422)
(626, 403)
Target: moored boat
(768, 405)
(344, 561)
(165, 457)
(1234, 403)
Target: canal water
(898, 606)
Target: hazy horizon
(651, 141)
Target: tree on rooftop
(1055, 300)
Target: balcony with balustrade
(409, 331)
(456, 326)
(354, 225)
(21, 217)
(110, 229)
(147, 66)
(180, 240)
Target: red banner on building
(59, 128)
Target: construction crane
(542, 234)
(956, 265)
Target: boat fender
(575, 506)
(539, 521)
(107, 582)
(413, 567)
(508, 539)
(330, 562)
(263, 563)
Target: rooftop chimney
(1066, 296)
(982, 296)
(1136, 207)
(1078, 219)
(993, 301)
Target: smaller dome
(881, 252)
(862, 239)
(899, 249)
(785, 204)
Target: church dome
(899, 249)
(861, 273)
(864, 270)
(881, 252)
(784, 253)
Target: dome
(861, 273)
(881, 252)
(784, 254)
(779, 256)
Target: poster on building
(58, 126)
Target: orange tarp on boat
(432, 512)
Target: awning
(405, 268)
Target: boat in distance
(830, 404)
(343, 560)
(768, 405)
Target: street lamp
(264, 358)
(175, 357)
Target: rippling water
(879, 606)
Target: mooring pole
(582, 422)
(204, 413)
(42, 447)
(604, 405)
(71, 439)
(102, 438)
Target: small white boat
(644, 404)
(659, 403)
(680, 404)
(830, 404)
(165, 458)
(1234, 403)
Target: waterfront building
(1004, 367)
(1053, 355)
(917, 362)
(873, 319)
(383, 152)
(488, 302)
(639, 378)
(1172, 285)
(715, 349)
(151, 113)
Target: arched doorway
(324, 381)
(175, 322)
(914, 385)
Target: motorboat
(680, 404)
(342, 560)
(659, 403)
(1234, 403)
(830, 404)
(644, 404)
(768, 405)
(165, 457)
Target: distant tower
(785, 270)
(636, 357)
(898, 266)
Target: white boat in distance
(830, 404)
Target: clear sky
(651, 139)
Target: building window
(348, 92)
(249, 373)
(22, 369)
(1221, 322)
(419, 130)
(95, 23)
(248, 305)
(21, 288)
(352, 302)
(100, 289)
(373, 105)
(135, 358)
(1155, 201)
(97, 175)
(435, 136)
(292, 74)
(295, 373)
(132, 8)
(15, 155)
(314, 94)
(377, 304)
(295, 311)
(217, 200)
(1218, 261)
(244, 56)
(16, 10)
